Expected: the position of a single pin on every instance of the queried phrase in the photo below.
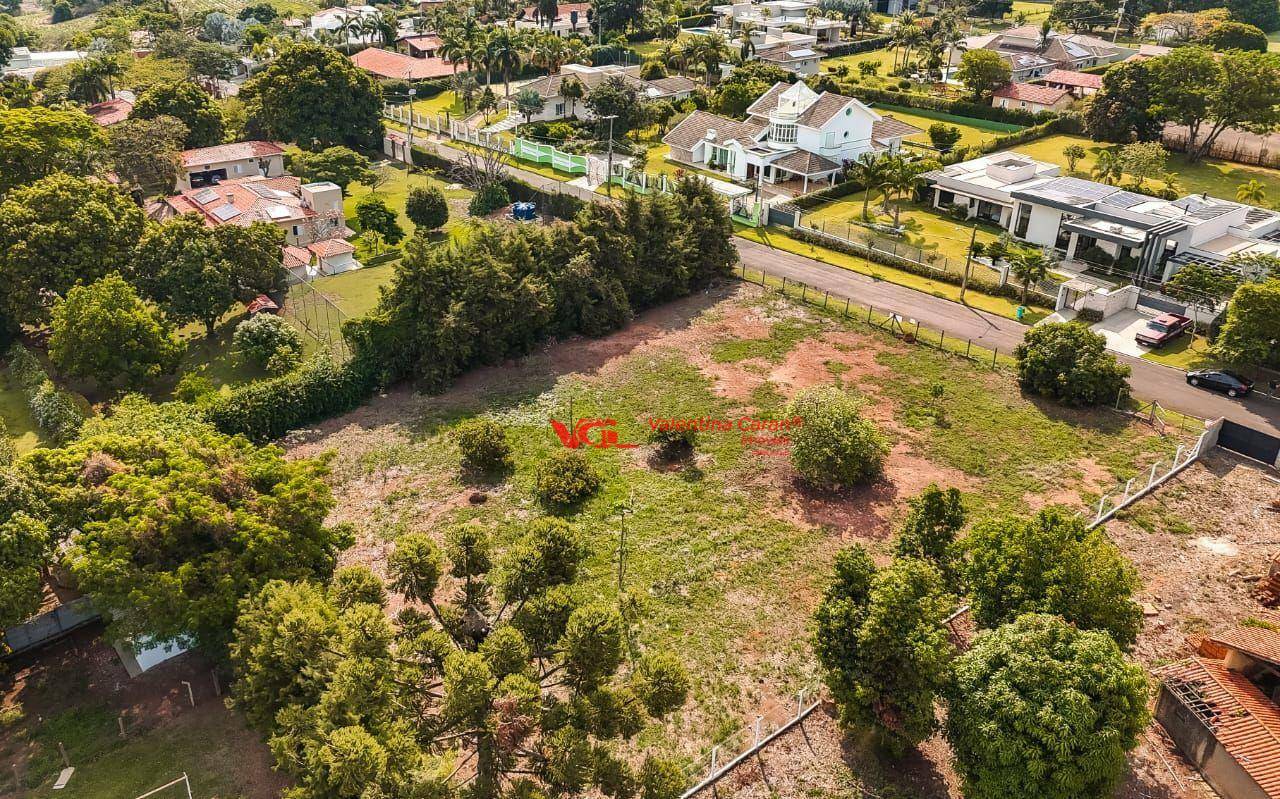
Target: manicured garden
(926, 228)
(973, 132)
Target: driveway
(1119, 330)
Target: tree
(1079, 15)
(616, 15)
(187, 103)
(269, 342)
(484, 446)
(528, 103)
(943, 136)
(25, 546)
(1252, 327)
(1251, 192)
(504, 664)
(1073, 153)
(195, 273)
(315, 96)
(1254, 265)
(373, 214)
(176, 527)
(1235, 36)
(572, 90)
(615, 97)
(337, 164)
(147, 152)
(1052, 563)
(929, 531)
(57, 232)
(1260, 13)
(856, 12)
(1068, 362)
(35, 142)
(426, 207)
(1209, 94)
(871, 170)
(982, 72)
(1122, 110)
(835, 447)
(1041, 709)
(1029, 265)
(1143, 160)
(881, 641)
(104, 331)
(1201, 285)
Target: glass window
(784, 133)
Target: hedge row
(59, 414)
(267, 409)
(963, 108)
(860, 46)
(863, 251)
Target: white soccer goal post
(186, 783)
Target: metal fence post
(825, 296)
(846, 307)
(869, 307)
(968, 345)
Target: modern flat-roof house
(1030, 58)
(1036, 204)
(330, 20)
(778, 15)
(1030, 97)
(1080, 84)
(791, 133)
(571, 18)
(25, 62)
(557, 106)
(310, 215)
(205, 166)
(1219, 707)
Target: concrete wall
(1197, 743)
(1043, 226)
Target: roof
(805, 163)
(262, 302)
(1031, 93)
(819, 112)
(295, 256)
(694, 128)
(787, 54)
(1242, 719)
(109, 112)
(238, 151)
(245, 201)
(673, 84)
(422, 41)
(1261, 643)
(888, 127)
(549, 85)
(1069, 77)
(562, 11)
(386, 64)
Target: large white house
(791, 133)
(776, 16)
(1037, 204)
(25, 62)
(331, 19)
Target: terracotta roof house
(420, 45)
(557, 106)
(392, 65)
(310, 215)
(1219, 708)
(799, 61)
(109, 112)
(791, 134)
(206, 166)
(1030, 58)
(1030, 97)
(1079, 84)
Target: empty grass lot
(973, 132)
(926, 229)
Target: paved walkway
(1149, 380)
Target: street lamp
(413, 92)
(608, 174)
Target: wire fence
(318, 317)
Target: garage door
(1249, 442)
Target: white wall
(1043, 225)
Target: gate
(1249, 442)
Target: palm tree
(369, 27)
(1108, 168)
(572, 90)
(669, 27)
(453, 47)
(1253, 193)
(504, 50)
(870, 170)
(709, 50)
(675, 55)
(387, 27)
(903, 177)
(1030, 266)
(1042, 41)
(747, 48)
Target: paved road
(1149, 380)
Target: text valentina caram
(708, 423)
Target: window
(829, 139)
(295, 230)
(783, 133)
(1024, 220)
(559, 109)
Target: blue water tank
(524, 212)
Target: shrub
(904, 84)
(564, 479)
(195, 388)
(1088, 315)
(56, 412)
(943, 136)
(1069, 363)
(489, 198)
(373, 215)
(268, 341)
(673, 443)
(267, 409)
(834, 447)
(25, 371)
(484, 446)
(426, 207)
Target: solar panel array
(225, 212)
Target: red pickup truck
(1163, 329)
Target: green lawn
(1036, 12)
(355, 292)
(778, 238)
(442, 102)
(1273, 41)
(17, 416)
(645, 49)
(394, 191)
(975, 132)
(883, 57)
(1217, 178)
(1186, 353)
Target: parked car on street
(1163, 329)
(1232, 385)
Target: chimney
(231, 198)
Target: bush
(673, 443)
(25, 371)
(194, 388)
(564, 479)
(489, 198)
(267, 340)
(267, 409)
(1088, 315)
(56, 412)
(373, 214)
(943, 136)
(426, 207)
(484, 446)
(1069, 363)
(834, 446)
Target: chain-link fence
(318, 317)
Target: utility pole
(968, 258)
(608, 174)
(1119, 20)
(413, 92)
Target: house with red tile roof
(390, 65)
(207, 166)
(1219, 707)
(110, 112)
(311, 216)
(1080, 84)
(1030, 97)
(570, 18)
